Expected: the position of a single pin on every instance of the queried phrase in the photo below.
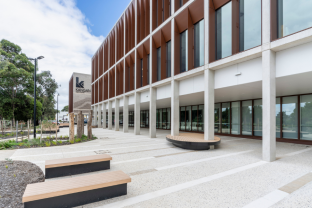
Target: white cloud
(55, 29)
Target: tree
(65, 109)
(15, 78)
(26, 111)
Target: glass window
(188, 117)
(200, 119)
(164, 119)
(217, 118)
(158, 114)
(225, 117)
(148, 68)
(224, 31)
(306, 117)
(247, 117)
(258, 117)
(182, 118)
(169, 118)
(199, 44)
(293, 16)
(235, 113)
(158, 63)
(278, 117)
(194, 118)
(183, 51)
(249, 24)
(168, 62)
(290, 117)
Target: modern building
(79, 94)
(241, 68)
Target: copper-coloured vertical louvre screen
(212, 34)
(96, 92)
(274, 14)
(129, 72)
(100, 89)
(101, 69)
(120, 39)
(106, 86)
(177, 4)
(106, 55)
(130, 27)
(161, 12)
(92, 94)
(143, 19)
(112, 83)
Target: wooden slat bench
(76, 191)
(76, 165)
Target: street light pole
(57, 110)
(35, 86)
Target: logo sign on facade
(79, 84)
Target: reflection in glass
(224, 31)
(290, 117)
(257, 117)
(249, 24)
(159, 64)
(217, 118)
(188, 116)
(247, 117)
(235, 113)
(169, 118)
(158, 114)
(194, 118)
(306, 117)
(225, 118)
(199, 44)
(164, 119)
(200, 119)
(183, 51)
(278, 117)
(293, 16)
(182, 118)
(168, 62)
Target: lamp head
(40, 57)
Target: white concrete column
(117, 115)
(268, 103)
(152, 113)
(175, 108)
(95, 116)
(137, 125)
(209, 105)
(104, 116)
(110, 115)
(99, 115)
(126, 114)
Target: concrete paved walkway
(232, 175)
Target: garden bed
(46, 142)
(15, 175)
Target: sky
(66, 32)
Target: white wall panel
(294, 60)
(191, 85)
(121, 102)
(251, 71)
(145, 97)
(113, 104)
(131, 100)
(164, 92)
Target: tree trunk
(90, 125)
(71, 127)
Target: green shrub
(66, 137)
(7, 144)
(8, 134)
(61, 137)
(26, 145)
(60, 142)
(77, 140)
(54, 143)
(48, 138)
(72, 142)
(48, 144)
(25, 140)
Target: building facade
(219, 67)
(79, 93)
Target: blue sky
(101, 14)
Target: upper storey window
(249, 24)
(224, 31)
(293, 16)
(183, 52)
(199, 44)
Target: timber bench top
(192, 137)
(77, 160)
(66, 186)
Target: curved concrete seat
(192, 141)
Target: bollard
(16, 130)
(90, 125)
(71, 127)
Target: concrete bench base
(76, 169)
(80, 198)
